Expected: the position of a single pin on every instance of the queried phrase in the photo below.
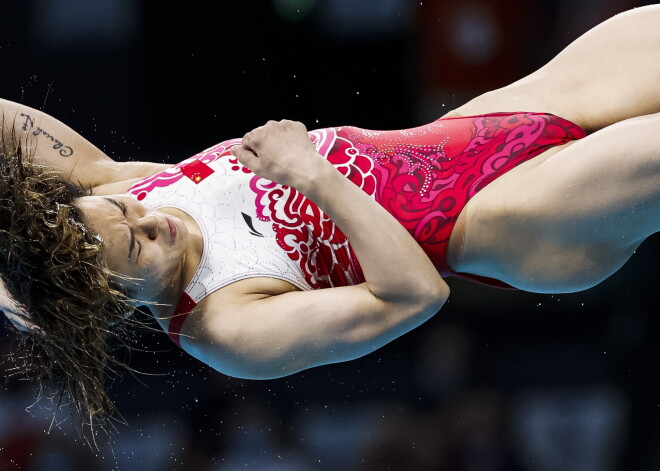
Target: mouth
(172, 226)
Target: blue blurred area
(498, 381)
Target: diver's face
(138, 242)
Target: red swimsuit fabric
(423, 176)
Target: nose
(149, 225)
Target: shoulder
(220, 330)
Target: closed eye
(131, 246)
(133, 241)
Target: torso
(453, 245)
(423, 176)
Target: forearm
(394, 265)
(51, 143)
(249, 333)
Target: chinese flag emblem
(196, 171)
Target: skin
(159, 249)
(348, 322)
(604, 201)
(571, 217)
(562, 221)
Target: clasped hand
(281, 152)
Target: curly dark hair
(53, 267)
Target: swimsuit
(423, 176)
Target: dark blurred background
(497, 381)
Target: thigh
(574, 218)
(607, 75)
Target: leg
(607, 75)
(569, 221)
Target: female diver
(546, 185)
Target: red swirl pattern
(423, 176)
(305, 232)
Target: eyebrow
(122, 207)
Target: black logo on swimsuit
(248, 221)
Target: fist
(281, 152)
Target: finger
(252, 138)
(245, 156)
(245, 142)
(294, 124)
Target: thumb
(245, 156)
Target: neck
(173, 288)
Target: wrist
(315, 176)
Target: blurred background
(497, 381)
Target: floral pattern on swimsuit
(423, 176)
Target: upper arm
(274, 336)
(51, 143)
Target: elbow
(433, 296)
(420, 295)
(441, 292)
